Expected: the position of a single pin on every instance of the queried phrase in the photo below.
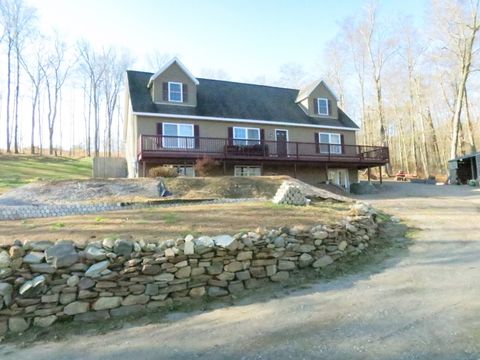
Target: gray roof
(217, 98)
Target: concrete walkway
(422, 305)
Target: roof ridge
(251, 84)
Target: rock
(286, 265)
(184, 272)
(189, 247)
(135, 300)
(165, 277)
(96, 269)
(108, 243)
(16, 252)
(395, 219)
(243, 275)
(323, 261)
(77, 307)
(67, 298)
(215, 269)
(136, 247)
(271, 269)
(189, 237)
(234, 266)
(236, 287)
(305, 260)
(123, 247)
(205, 241)
(151, 289)
(342, 246)
(305, 248)
(245, 255)
(258, 271)
(351, 228)
(104, 303)
(95, 253)
(151, 269)
(86, 283)
(214, 291)
(197, 292)
(92, 316)
(73, 280)
(279, 242)
(17, 324)
(6, 289)
(33, 287)
(320, 235)
(41, 245)
(280, 276)
(61, 255)
(44, 321)
(226, 242)
(53, 298)
(3, 327)
(42, 268)
(4, 273)
(34, 257)
(169, 253)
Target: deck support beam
(224, 167)
(144, 169)
(368, 174)
(380, 170)
(295, 170)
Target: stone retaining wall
(42, 282)
(28, 212)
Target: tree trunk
(9, 84)
(17, 94)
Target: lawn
(18, 170)
(157, 224)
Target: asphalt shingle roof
(218, 98)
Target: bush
(205, 166)
(163, 171)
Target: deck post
(380, 169)
(326, 172)
(144, 169)
(368, 174)
(295, 170)
(224, 167)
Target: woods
(415, 88)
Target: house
(175, 118)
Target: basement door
(339, 177)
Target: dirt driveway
(424, 304)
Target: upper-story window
(322, 106)
(175, 91)
(246, 136)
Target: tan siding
(176, 74)
(322, 92)
(219, 129)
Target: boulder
(225, 241)
(197, 292)
(234, 266)
(342, 246)
(16, 252)
(151, 269)
(17, 324)
(96, 269)
(108, 243)
(73, 280)
(76, 307)
(189, 247)
(215, 291)
(34, 257)
(183, 272)
(41, 245)
(123, 247)
(44, 321)
(105, 303)
(42, 268)
(322, 262)
(6, 289)
(95, 253)
(280, 276)
(61, 255)
(244, 255)
(286, 265)
(305, 260)
(33, 287)
(135, 300)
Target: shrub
(205, 166)
(163, 171)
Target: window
(330, 138)
(183, 170)
(175, 92)
(246, 136)
(322, 106)
(178, 136)
(241, 170)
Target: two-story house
(175, 118)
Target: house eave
(167, 65)
(248, 121)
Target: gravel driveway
(423, 305)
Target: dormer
(317, 100)
(173, 84)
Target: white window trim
(248, 167)
(338, 145)
(281, 130)
(246, 133)
(318, 106)
(181, 91)
(165, 137)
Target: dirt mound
(132, 190)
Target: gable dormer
(173, 84)
(317, 100)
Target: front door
(281, 136)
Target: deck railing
(151, 146)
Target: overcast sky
(241, 37)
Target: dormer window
(175, 92)
(322, 105)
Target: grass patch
(18, 170)
(58, 225)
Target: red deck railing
(154, 146)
